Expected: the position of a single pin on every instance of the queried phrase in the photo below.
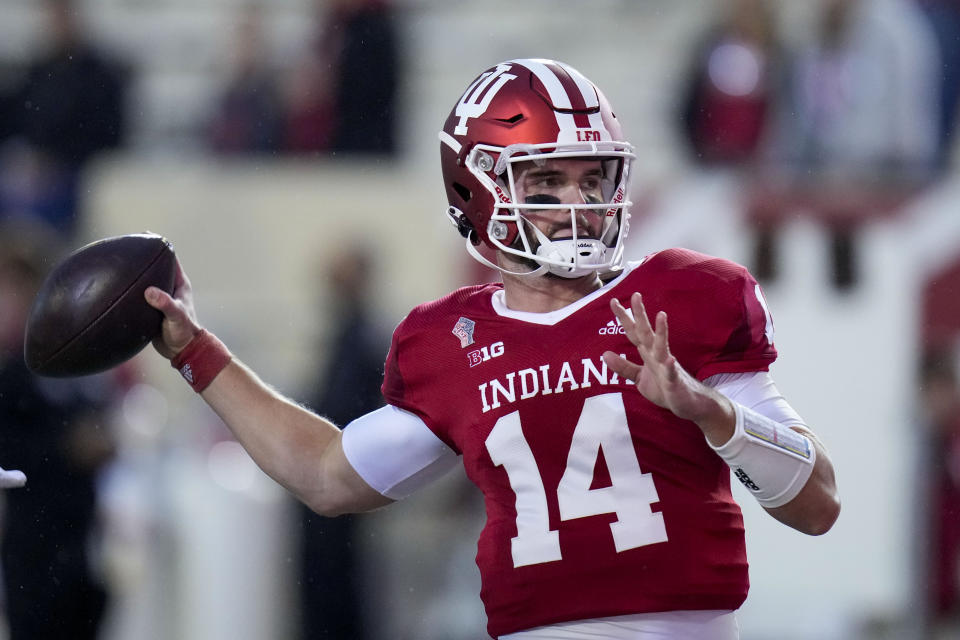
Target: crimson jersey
(598, 502)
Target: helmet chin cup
(571, 259)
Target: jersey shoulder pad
(719, 322)
(427, 334)
(462, 302)
(679, 262)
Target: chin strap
(479, 257)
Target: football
(89, 314)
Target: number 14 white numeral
(602, 423)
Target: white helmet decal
(476, 99)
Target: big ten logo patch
(483, 354)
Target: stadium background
(199, 540)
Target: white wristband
(771, 460)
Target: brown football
(89, 314)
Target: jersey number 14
(602, 423)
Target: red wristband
(201, 360)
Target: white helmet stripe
(557, 92)
(586, 88)
(596, 122)
(561, 98)
(558, 95)
(590, 99)
(566, 124)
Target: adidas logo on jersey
(613, 327)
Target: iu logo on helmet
(476, 100)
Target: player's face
(566, 181)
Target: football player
(603, 444)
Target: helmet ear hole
(462, 191)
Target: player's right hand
(179, 316)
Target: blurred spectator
(344, 93)
(331, 571)
(367, 69)
(9, 81)
(733, 84)
(68, 107)
(248, 116)
(944, 16)
(863, 101)
(56, 431)
(940, 397)
(309, 103)
(856, 134)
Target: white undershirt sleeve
(756, 390)
(395, 452)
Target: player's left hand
(660, 378)
(12, 479)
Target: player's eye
(591, 184)
(548, 182)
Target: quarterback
(600, 405)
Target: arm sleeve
(756, 390)
(395, 452)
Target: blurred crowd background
(288, 150)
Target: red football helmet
(534, 110)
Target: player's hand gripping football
(179, 317)
(661, 379)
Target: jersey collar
(497, 300)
